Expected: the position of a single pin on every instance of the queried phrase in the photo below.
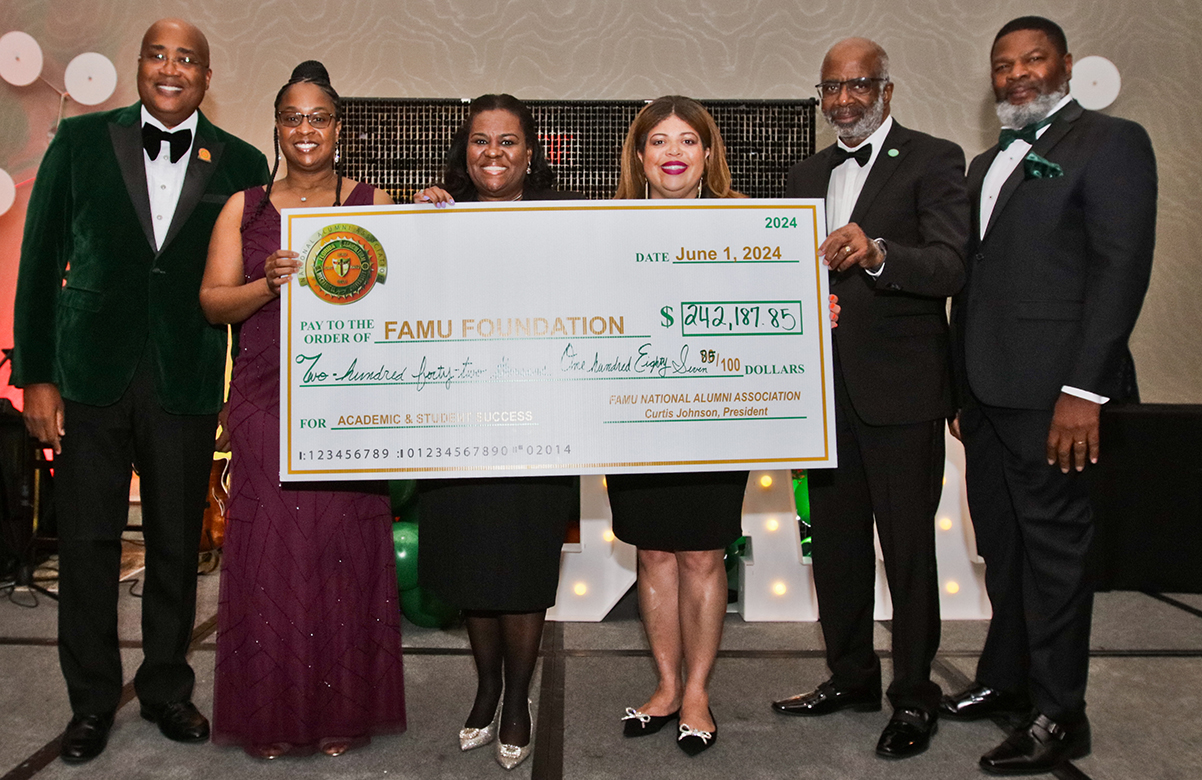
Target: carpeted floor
(1146, 679)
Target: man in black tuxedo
(1064, 221)
(897, 213)
(120, 369)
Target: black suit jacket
(892, 339)
(1056, 284)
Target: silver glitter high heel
(509, 756)
(470, 739)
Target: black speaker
(24, 495)
(1147, 495)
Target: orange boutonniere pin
(203, 154)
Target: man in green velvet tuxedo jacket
(121, 368)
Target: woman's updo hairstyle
(308, 72)
(312, 72)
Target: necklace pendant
(303, 199)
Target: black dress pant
(893, 473)
(173, 454)
(1033, 527)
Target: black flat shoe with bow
(640, 724)
(696, 741)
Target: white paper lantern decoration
(1096, 82)
(20, 58)
(90, 78)
(8, 192)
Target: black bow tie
(153, 137)
(861, 155)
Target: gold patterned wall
(626, 49)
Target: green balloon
(404, 542)
(424, 609)
(736, 550)
(408, 513)
(401, 492)
(801, 495)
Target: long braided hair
(308, 72)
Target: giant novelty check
(555, 338)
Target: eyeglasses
(186, 62)
(294, 119)
(861, 86)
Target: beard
(863, 127)
(1032, 111)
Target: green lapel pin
(893, 153)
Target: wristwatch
(880, 243)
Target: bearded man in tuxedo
(897, 213)
(1064, 223)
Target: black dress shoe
(908, 733)
(826, 698)
(695, 741)
(178, 720)
(980, 701)
(640, 724)
(1040, 747)
(85, 737)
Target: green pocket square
(1036, 167)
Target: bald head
(858, 50)
(173, 70)
(855, 88)
(200, 44)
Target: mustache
(1024, 83)
(864, 119)
(1031, 111)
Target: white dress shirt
(165, 179)
(847, 181)
(1004, 164)
(999, 171)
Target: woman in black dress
(492, 546)
(681, 523)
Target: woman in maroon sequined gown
(308, 645)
